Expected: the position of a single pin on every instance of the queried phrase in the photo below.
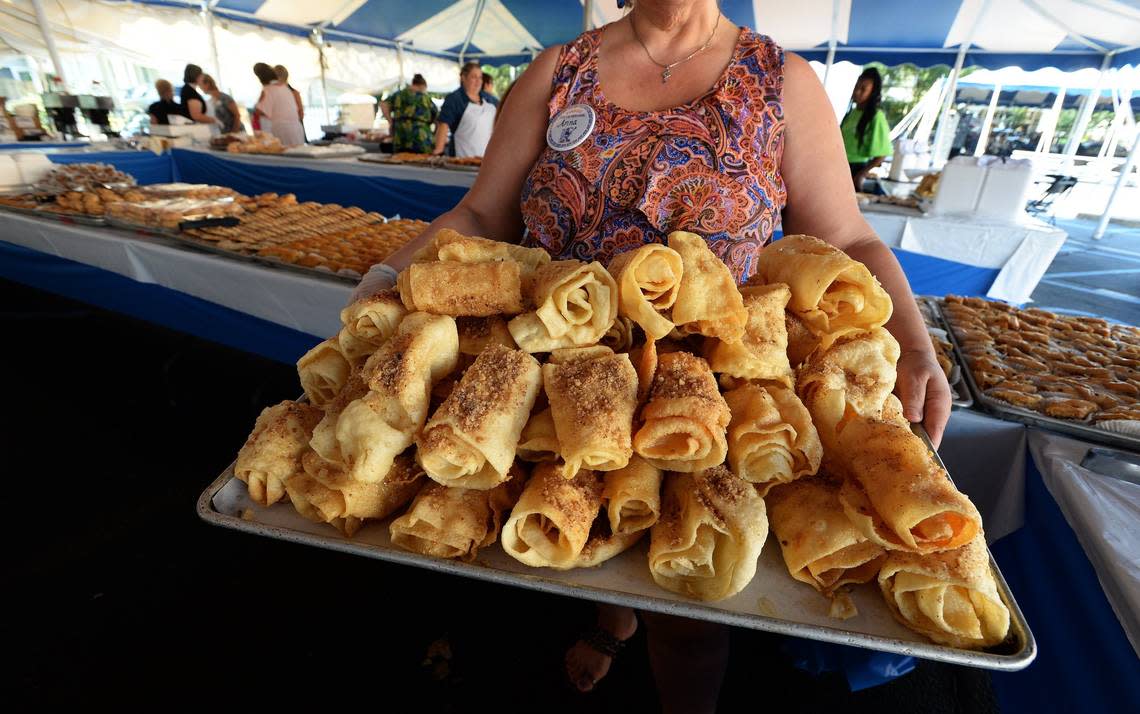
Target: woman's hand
(924, 392)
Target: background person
(194, 106)
(489, 89)
(278, 105)
(283, 76)
(410, 114)
(223, 106)
(468, 115)
(161, 111)
(866, 135)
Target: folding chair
(1060, 186)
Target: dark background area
(117, 594)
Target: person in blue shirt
(489, 89)
(467, 114)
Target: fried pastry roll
(470, 441)
(593, 402)
(602, 545)
(708, 301)
(462, 289)
(373, 429)
(712, 528)
(632, 496)
(762, 353)
(369, 322)
(895, 492)
(323, 372)
(821, 546)
(834, 294)
(447, 522)
(684, 422)
(551, 522)
(576, 304)
(324, 493)
(272, 453)
(951, 597)
(648, 280)
(771, 439)
(538, 441)
(478, 333)
(448, 244)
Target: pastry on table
(711, 531)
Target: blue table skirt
(153, 303)
(41, 145)
(409, 199)
(145, 166)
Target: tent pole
(49, 40)
(400, 61)
(1126, 169)
(1088, 104)
(324, 85)
(987, 123)
(208, 17)
(952, 84)
(479, 5)
(831, 41)
(1046, 142)
(587, 14)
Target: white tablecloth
(1104, 513)
(1022, 251)
(311, 305)
(353, 166)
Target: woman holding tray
(671, 119)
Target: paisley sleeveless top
(711, 166)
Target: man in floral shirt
(411, 114)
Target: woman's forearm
(461, 219)
(906, 323)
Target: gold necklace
(668, 68)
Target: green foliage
(915, 81)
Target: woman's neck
(674, 25)
(476, 97)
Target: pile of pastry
(170, 213)
(570, 409)
(350, 251)
(198, 191)
(943, 348)
(256, 143)
(465, 160)
(1078, 368)
(408, 157)
(272, 220)
(81, 177)
(92, 201)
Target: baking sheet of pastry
(961, 397)
(1005, 410)
(55, 215)
(772, 602)
(207, 247)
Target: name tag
(570, 127)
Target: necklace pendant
(666, 75)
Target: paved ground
(1094, 277)
(117, 594)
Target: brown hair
(468, 67)
(281, 72)
(264, 73)
(163, 85)
(208, 83)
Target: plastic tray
(773, 602)
(1030, 417)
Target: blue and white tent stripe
(1067, 34)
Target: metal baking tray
(208, 247)
(959, 392)
(1081, 430)
(81, 219)
(387, 159)
(773, 602)
(460, 167)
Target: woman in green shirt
(866, 136)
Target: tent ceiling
(1067, 34)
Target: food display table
(392, 189)
(146, 167)
(1021, 252)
